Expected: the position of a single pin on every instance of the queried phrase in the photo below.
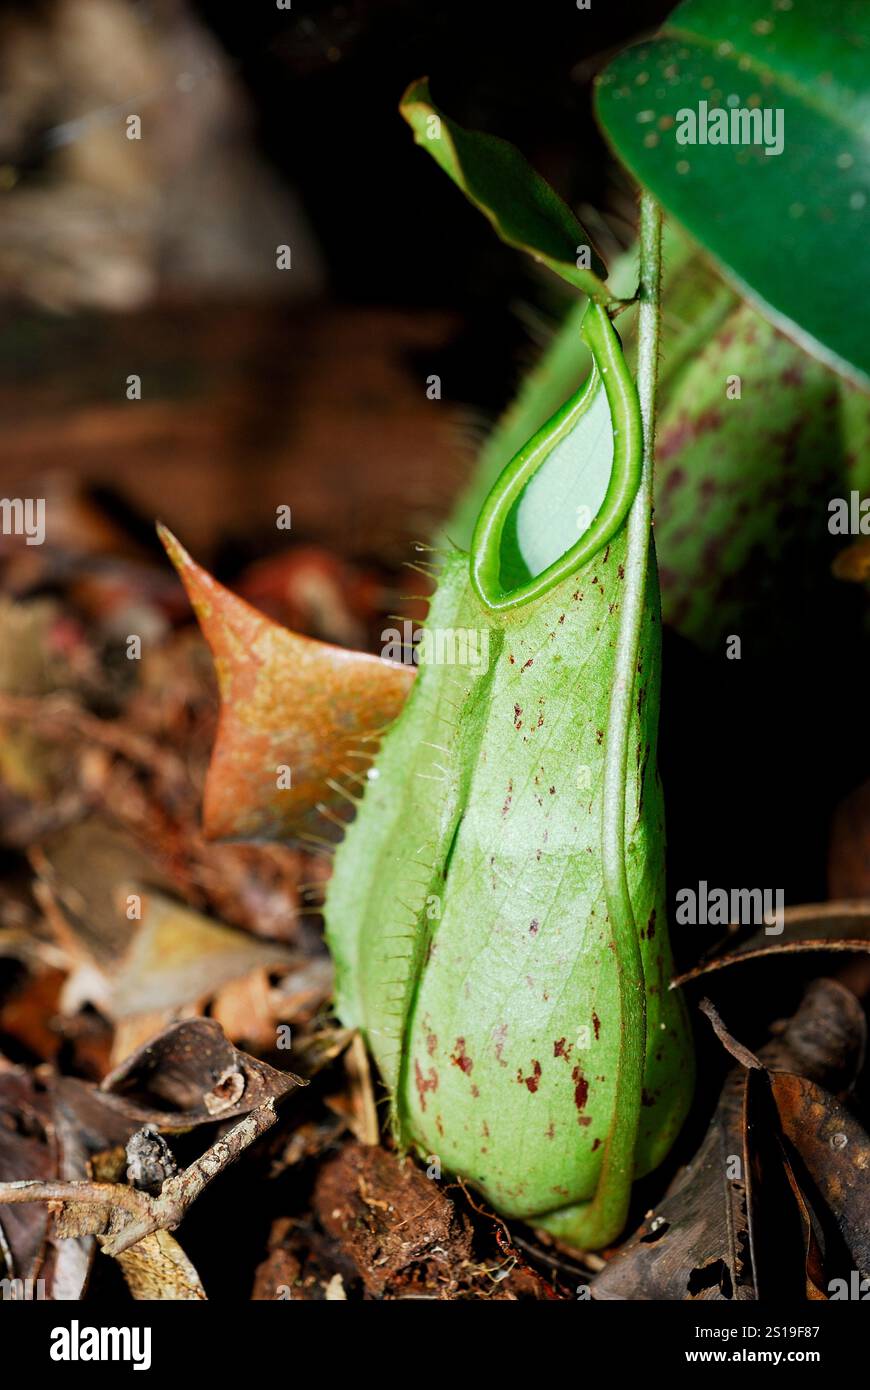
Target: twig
(740, 1053)
(147, 1213)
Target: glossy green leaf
(788, 225)
(521, 206)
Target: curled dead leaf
(190, 1074)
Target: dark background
(325, 82)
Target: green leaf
(789, 228)
(499, 180)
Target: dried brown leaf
(177, 956)
(157, 1268)
(191, 1074)
(834, 1150)
(698, 1242)
(286, 702)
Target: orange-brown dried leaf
(834, 1149)
(286, 700)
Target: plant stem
(617, 1171)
